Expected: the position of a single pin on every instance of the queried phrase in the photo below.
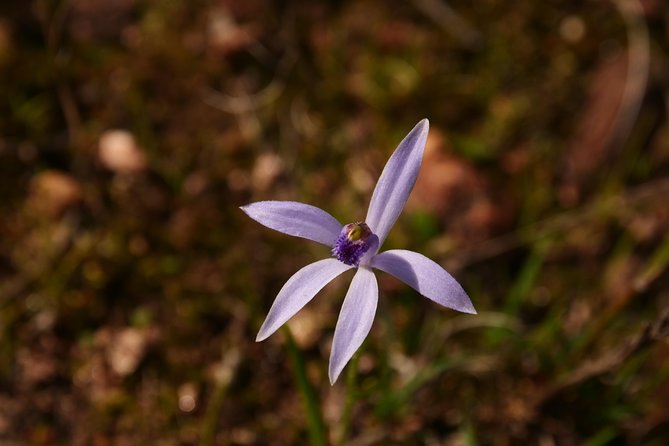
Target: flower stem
(351, 396)
(314, 417)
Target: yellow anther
(354, 233)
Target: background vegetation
(132, 287)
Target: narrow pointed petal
(355, 320)
(426, 277)
(297, 219)
(298, 291)
(396, 181)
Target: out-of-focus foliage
(132, 287)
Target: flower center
(353, 242)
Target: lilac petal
(355, 320)
(298, 219)
(426, 277)
(397, 179)
(298, 291)
(371, 251)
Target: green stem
(351, 394)
(208, 434)
(314, 416)
(230, 362)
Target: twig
(52, 29)
(450, 21)
(657, 330)
(616, 205)
(638, 67)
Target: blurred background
(132, 287)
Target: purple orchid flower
(356, 245)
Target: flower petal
(298, 291)
(297, 219)
(396, 181)
(355, 320)
(426, 277)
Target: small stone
(126, 350)
(267, 169)
(187, 397)
(53, 192)
(118, 151)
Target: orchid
(356, 245)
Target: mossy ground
(131, 294)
